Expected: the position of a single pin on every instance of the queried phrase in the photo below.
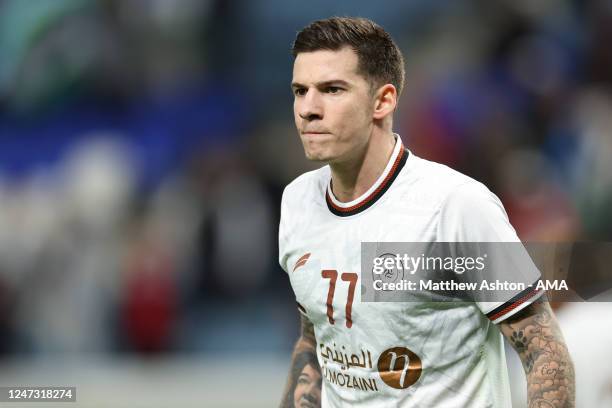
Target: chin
(318, 156)
(317, 150)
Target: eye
(333, 89)
(299, 91)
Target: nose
(309, 106)
(312, 386)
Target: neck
(353, 177)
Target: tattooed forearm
(304, 383)
(535, 335)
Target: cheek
(299, 391)
(296, 117)
(352, 118)
(356, 108)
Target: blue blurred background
(144, 146)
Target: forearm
(305, 344)
(536, 337)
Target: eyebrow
(322, 84)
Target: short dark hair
(380, 59)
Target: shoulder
(467, 210)
(296, 207)
(442, 184)
(306, 187)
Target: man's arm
(306, 343)
(535, 335)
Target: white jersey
(409, 354)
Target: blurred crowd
(144, 146)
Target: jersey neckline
(375, 192)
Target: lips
(314, 130)
(314, 133)
(306, 404)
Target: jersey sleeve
(473, 220)
(284, 244)
(283, 233)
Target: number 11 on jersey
(349, 277)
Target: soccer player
(347, 77)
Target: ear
(385, 101)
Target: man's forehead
(323, 65)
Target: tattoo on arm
(304, 381)
(535, 335)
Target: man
(347, 78)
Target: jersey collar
(382, 184)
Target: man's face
(307, 392)
(333, 105)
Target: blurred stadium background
(144, 146)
